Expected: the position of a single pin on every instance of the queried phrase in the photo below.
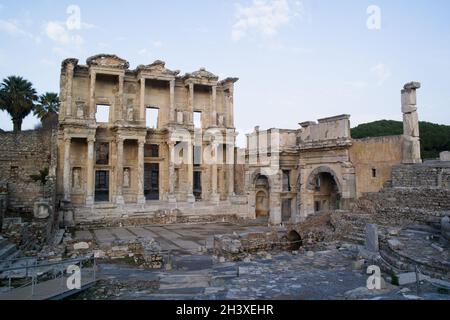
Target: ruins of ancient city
(134, 185)
(180, 199)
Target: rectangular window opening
(102, 113)
(151, 117)
(374, 173)
(197, 119)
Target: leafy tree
(17, 97)
(434, 138)
(47, 106)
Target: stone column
(214, 194)
(230, 115)
(120, 100)
(141, 196)
(190, 172)
(230, 171)
(92, 96)
(172, 102)
(275, 208)
(119, 172)
(67, 169)
(90, 172)
(213, 106)
(411, 137)
(191, 103)
(142, 101)
(172, 197)
(70, 68)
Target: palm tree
(47, 107)
(17, 97)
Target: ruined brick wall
(21, 155)
(433, 174)
(418, 193)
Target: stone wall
(431, 174)
(24, 154)
(418, 193)
(373, 159)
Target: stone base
(141, 200)
(191, 198)
(172, 198)
(89, 200)
(215, 198)
(120, 200)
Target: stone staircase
(352, 227)
(7, 249)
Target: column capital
(67, 138)
(90, 139)
(120, 140)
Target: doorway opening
(151, 181)
(102, 186)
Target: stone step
(3, 243)
(353, 239)
(7, 250)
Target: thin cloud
(57, 31)
(13, 29)
(264, 17)
(381, 73)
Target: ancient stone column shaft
(92, 105)
(90, 172)
(70, 68)
(191, 102)
(214, 193)
(142, 100)
(119, 172)
(172, 102)
(171, 168)
(120, 100)
(141, 196)
(213, 106)
(67, 168)
(230, 115)
(230, 170)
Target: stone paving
(327, 274)
(181, 238)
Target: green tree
(47, 109)
(17, 97)
(48, 104)
(434, 138)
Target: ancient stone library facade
(153, 144)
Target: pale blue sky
(296, 60)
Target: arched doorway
(325, 190)
(262, 203)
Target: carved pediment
(202, 73)
(108, 60)
(158, 68)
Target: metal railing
(40, 272)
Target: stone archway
(324, 187)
